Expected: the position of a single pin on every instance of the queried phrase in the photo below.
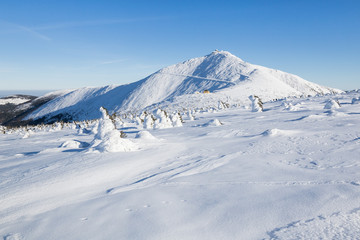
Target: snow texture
(275, 174)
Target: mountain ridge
(218, 72)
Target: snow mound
(145, 135)
(213, 122)
(74, 144)
(332, 104)
(279, 132)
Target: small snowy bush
(256, 103)
(355, 100)
(190, 115)
(149, 121)
(176, 120)
(162, 120)
(332, 104)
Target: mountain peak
(220, 72)
(222, 54)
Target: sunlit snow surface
(285, 173)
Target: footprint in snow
(13, 236)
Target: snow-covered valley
(289, 172)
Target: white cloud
(17, 27)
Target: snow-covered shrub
(119, 122)
(332, 104)
(2, 129)
(223, 105)
(176, 120)
(27, 133)
(289, 106)
(190, 115)
(162, 120)
(138, 121)
(107, 138)
(149, 121)
(57, 126)
(256, 103)
(355, 100)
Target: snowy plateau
(280, 164)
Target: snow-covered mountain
(220, 72)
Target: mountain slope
(220, 72)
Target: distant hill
(14, 108)
(220, 72)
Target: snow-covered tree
(256, 103)
(149, 121)
(162, 119)
(108, 138)
(176, 120)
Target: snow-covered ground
(289, 172)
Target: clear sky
(69, 44)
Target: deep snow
(284, 173)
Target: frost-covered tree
(190, 115)
(108, 138)
(149, 121)
(162, 119)
(176, 120)
(256, 103)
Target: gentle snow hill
(219, 72)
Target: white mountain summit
(219, 72)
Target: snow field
(276, 174)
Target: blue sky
(70, 44)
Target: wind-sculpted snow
(336, 226)
(230, 173)
(220, 72)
